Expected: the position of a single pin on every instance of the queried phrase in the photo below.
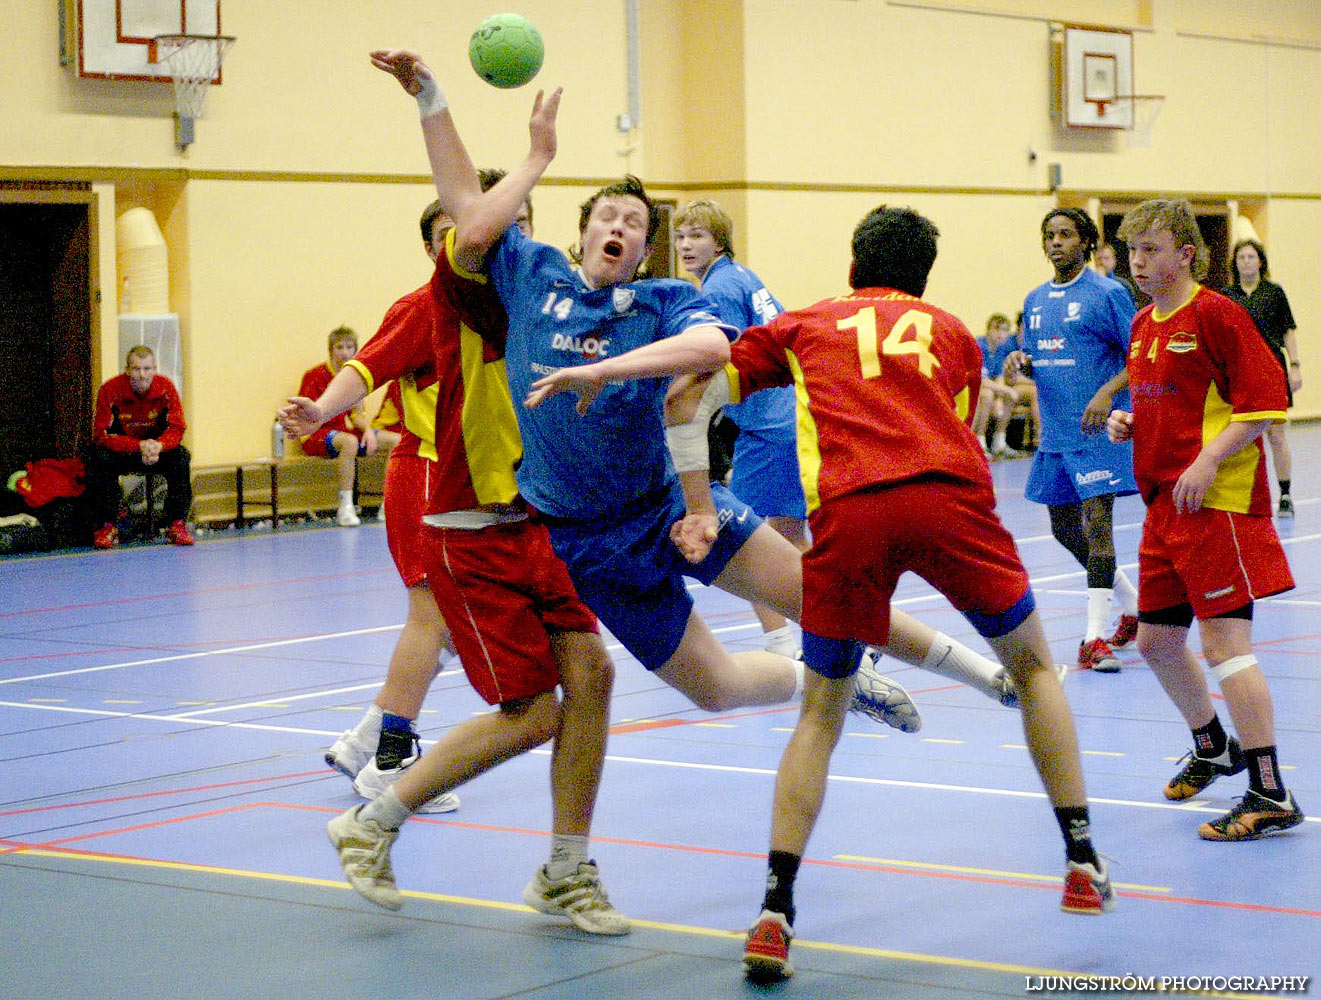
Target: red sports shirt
(123, 418)
(885, 385)
(1192, 373)
(475, 437)
(413, 393)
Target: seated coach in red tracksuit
(138, 428)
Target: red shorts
(407, 490)
(503, 591)
(316, 445)
(945, 532)
(1215, 560)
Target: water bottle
(277, 440)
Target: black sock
(781, 871)
(397, 741)
(1285, 484)
(1077, 830)
(1210, 740)
(1264, 773)
(1100, 572)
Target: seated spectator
(348, 435)
(137, 430)
(996, 403)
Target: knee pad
(1231, 666)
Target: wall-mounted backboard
(112, 37)
(1095, 78)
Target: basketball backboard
(1095, 74)
(113, 37)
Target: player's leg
(569, 883)
(779, 633)
(1098, 527)
(1282, 459)
(342, 448)
(1268, 807)
(716, 680)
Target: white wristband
(688, 442)
(430, 99)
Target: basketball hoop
(193, 62)
(1143, 110)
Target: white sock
(1098, 611)
(800, 679)
(950, 658)
(369, 726)
(386, 810)
(567, 852)
(1126, 593)
(781, 640)
(346, 498)
(998, 442)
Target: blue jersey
(593, 466)
(993, 359)
(1077, 336)
(740, 299)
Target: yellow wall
(296, 208)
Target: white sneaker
(380, 515)
(580, 897)
(883, 700)
(373, 779)
(347, 517)
(350, 753)
(364, 854)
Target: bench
(242, 492)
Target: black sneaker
(1199, 772)
(1254, 816)
(1286, 505)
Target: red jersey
(885, 383)
(123, 418)
(413, 394)
(390, 417)
(1192, 373)
(475, 433)
(315, 381)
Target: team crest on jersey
(1075, 312)
(622, 299)
(1181, 343)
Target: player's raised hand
(1119, 426)
(300, 417)
(406, 67)
(586, 380)
(542, 124)
(694, 534)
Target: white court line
(198, 656)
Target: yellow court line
(863, 736)
(688, 929)
(929, 866)
(716, 725)
(1104, 753)
(121, 701)
(48, 701)
(936, 739)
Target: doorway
(46, 325)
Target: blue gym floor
(163, 714)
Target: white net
(193, 62)
(1144, 109)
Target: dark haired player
(890, 383)
(1075, 339)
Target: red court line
(12, 847)
(647, 724)
(191, 593)
(171, 791)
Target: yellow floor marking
(345, 708)
(927, 866)
(269, 704)
(716, 725)
(1104, 753)
(933, 739)
(183, 704)
(121, 701)
(710, 932)
(864, 736)
(48, 701)
(1012, 746)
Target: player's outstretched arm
(451, 168)
(479, 225)
(302, 415)
(697, 350)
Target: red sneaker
(1125, 632)
(1096, 655)
(1087, 889)
(766, 955)
(105, 537)
(178, 534)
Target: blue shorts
(765, 476)
(1063, 477)
(332, 449)
(629, 572)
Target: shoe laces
(582, 890)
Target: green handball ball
(506, 50)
